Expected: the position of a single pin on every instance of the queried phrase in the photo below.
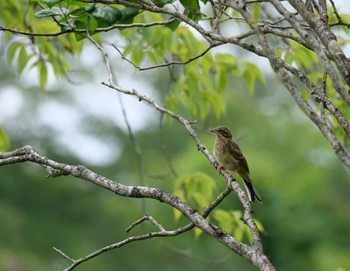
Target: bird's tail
(251, 191)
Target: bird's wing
(236, 152)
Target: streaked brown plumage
(230, 157)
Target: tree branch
(322, 32)
(279, 67)
(253, 254)
(164, 64)
(146, 218)
(83, 31)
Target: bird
(231, 158)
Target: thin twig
(138, 151)
(27, 153)
(64, 255)
(164, 148)
(336, 12)
(121, 244)
(164, 64)
(241, 195)
(82, 31)
(324, 89)
(146, 218)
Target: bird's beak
(212, 130)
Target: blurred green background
(304, 187)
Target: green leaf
(216, 101)
(153, 57)
(197, 188)
(226, 62)
(173, 25)
(238, 233)
(137, 53)
(48, 13)
(260, 226)
(177, 215)
(22, 59)
(231, 222)
(11, 51)
(221, 81)
(51, 3)
(200, 199)
(77, 13)
(162, 3)
(224, 219)
(256, 11)
(127, 14)
(251, 74)
(192, 8)
(42, 74)
(4, 140)
(65, 27)
(107, 14)
(192, 5)
(92, 25)
(197, 232)
(85, 22)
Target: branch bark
(252, 253)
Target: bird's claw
(228, 176)
(219, 168)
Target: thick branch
(27, 153)
(328, 40)
(323, 32)
(276, 65)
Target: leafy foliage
(197, 189)
(231, 221)
(198, 89)
(4, 140)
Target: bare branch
(146, 218)
(253, 254)
(137, 149)
(165, 64)
(119, 245)
(27, 153)
(277, 65)
(63, 254)
(164, 148)
(247, 217)
(83, 31)
(336, 12)
(323, 33)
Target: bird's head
(222, 131)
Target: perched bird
(230, 157)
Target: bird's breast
(224, 157)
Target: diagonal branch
(247, 217)
(323, 33)
(120, 244)
(164, 64)
(280, 69)
(146, 218)
(253, 254)
(161, 233)
(83, 31)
